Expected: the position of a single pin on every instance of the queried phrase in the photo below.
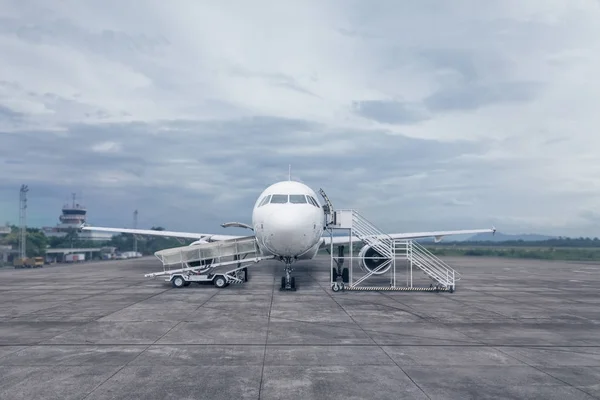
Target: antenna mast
(23, 221)
(135, 221)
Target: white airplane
(288, 223)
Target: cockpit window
(265, 200)
(279, 199)
(297, 199)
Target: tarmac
(513, 329)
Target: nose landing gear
(288, 282)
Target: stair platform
(378, 255)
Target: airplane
(288, 223)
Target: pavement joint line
(377, 344)
(96, 319)
(262, 371)
(549, 374)
(147, 346)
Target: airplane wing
(415, 235)
(151, 232)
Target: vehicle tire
(187, 283)
(335, 287)
(293, 282)
(220, 281)
(177, 281)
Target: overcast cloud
(422, 115)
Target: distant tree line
(581, 242)
(539, 253)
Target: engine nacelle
(370, 260)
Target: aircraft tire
(346, 275)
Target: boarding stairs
(391, 249)
(224, 257)
(427, 262)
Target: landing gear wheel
(220, 281)
(288, 282)
(177, 282)
(334, 273)
(346, 275)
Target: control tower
(73, 215)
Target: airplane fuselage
(288, 221)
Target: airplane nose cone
(290, 234)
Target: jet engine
(370, 259)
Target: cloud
(390, 112)
(465, 96)
(423, 115)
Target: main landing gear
(288, 282)
(339, 271)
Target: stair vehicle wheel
(178, 281)
(220, 281)
(346, 275)
(335, 287)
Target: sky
(423, 115)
